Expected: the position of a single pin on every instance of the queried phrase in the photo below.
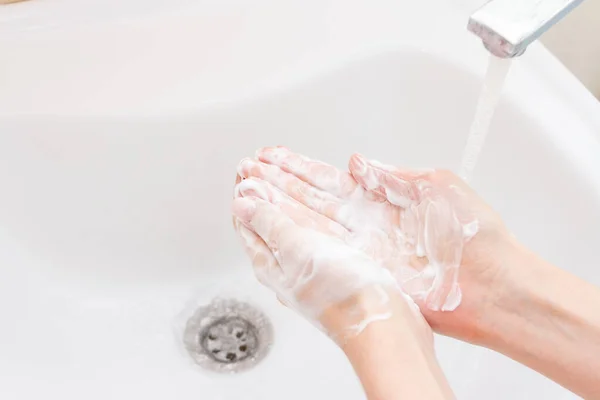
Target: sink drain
(228, 336)
(230, 340)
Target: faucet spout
(507, 27)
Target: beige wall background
(576, 42)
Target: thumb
(395, 185)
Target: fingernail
(265, 151)
(363, 172)
(252, 187)
(359, 165)
(399, 192)
(243, 208)
(272, 154)
(259, 152)
(244, 166)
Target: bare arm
(501, 295)
(395, 359)
(348, 295)
(547, 319)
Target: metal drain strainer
(228, 336)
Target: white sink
(118, 145)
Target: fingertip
(364, 173)
(259, 152)
(266, 150)
(256, 187)
(272, 154)
(244, 166)
(243, 208)
(358, 165)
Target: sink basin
(118, 146)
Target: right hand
(485, 253)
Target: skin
(512, 301)
(393, 356)
(542, 317)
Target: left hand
(299, 255)
(419, 238)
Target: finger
(256, 187)
(316, 173)
(267, 220)
(443, 245)
(317, 200)
(238, 179)
(398, 187)
(266, 268)
(284, 301)
(319, 270)
(292, 246)
(299, 213)
(411, 174)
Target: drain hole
(237, 337)
(228, 336)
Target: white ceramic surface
(118, 146)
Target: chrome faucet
(507, 27)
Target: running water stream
(486, 105)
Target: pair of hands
(350, 241)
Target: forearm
(394, 358)
(548, 320)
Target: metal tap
(507, 27)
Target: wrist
(395, 357)
(500, 301)
(381, 311)
(522, 295)
(547, 319)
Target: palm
(416, 225)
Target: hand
(415, 223)
(421, 226)
(296, 253)
(482, 255)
